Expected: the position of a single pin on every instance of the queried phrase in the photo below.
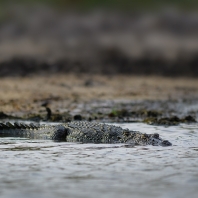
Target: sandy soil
(63, 93)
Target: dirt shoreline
(68, 97)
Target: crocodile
(81, 131)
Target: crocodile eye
(126, 133)
(156, 135)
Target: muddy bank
(109, 111)
(114, 98)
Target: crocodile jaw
(158, 142)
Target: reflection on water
(40, 168)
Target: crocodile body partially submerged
(81, 131)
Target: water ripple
(41, 168)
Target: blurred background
(144, 37)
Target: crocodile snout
(165, 143)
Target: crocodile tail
(16, 125)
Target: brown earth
(67, 65)
(23, 96)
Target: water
(40, 168)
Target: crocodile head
(155, 140)
(145, 139)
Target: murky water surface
(39, 168)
